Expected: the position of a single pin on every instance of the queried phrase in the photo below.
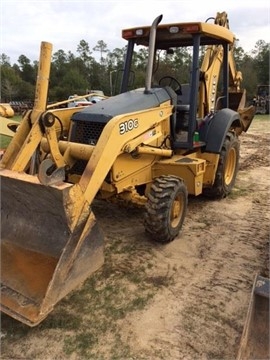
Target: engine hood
(128, 102)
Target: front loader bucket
(42, 259)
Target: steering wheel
(172, 82)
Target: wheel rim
(230, 166)
(176, 211)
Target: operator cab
(194, 98)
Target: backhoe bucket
(43, 257)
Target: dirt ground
(184, 300)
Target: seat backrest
(182, 109)
(184, 98)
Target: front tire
(166, 208)
(227, 168)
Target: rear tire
(227, 168)
(166, 208)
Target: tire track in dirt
(210, 300)
(200, 314)
(257, 151)
(222, 246)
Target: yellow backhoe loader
(153, 145)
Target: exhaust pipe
(152, 43)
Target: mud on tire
(166, 208)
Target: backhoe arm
(210, 74)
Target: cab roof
(180, 34)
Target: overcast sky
(25, 24)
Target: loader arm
(113, 142)
(24, 143)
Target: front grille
(84, 132)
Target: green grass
(16, 118)
(261, 117)
(4, 141)
(238, 192)
(261, 120)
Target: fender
(214, 129)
